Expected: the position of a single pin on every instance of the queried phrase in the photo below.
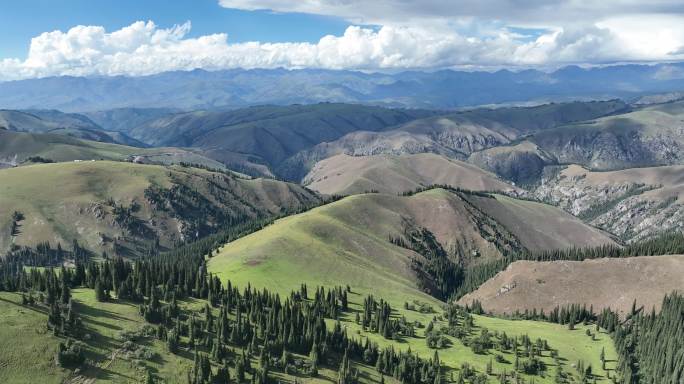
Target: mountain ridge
(437, 90)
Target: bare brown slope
(540, 226)
(344, 174)
(613, 283)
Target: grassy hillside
(27, 348)
(42, 121)
(30, 347)
(343, 174)
(16, 147)
(123, 208)
(347, 242)
(119, 347)
(125, 119)
(601, 283)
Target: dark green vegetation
(200, 330)
(438, 242)
(651, 345)
(127, 272)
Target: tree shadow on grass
(34, 308)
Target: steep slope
(600, 283)
(348, 242)
(16, 147)
(649, 136)
(125, 208)
(43, 120)
(540, 226)
(457, 135)
(633, 203)
(125, 119)
(265, 136)
(56, 122)
(522, 163)
(343, 174)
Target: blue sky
(21, 20)
(141, 37)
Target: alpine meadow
(326, 192)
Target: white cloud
(145, 48)
(522, 12)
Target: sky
(139, 37)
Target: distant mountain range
(444, 89)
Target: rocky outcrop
(632, 204)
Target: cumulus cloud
(460, 41)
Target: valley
(400, 240)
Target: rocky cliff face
(632, 204)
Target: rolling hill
(343, 174)
(17, 147)
(601, 283)
(348, 242)
(455, 135)
(56, 122)
(125, 119)
(124, 208)
(121, 347)
(261, 138)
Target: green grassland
(318, 249)
(348, 241)
(28, 348)
(55, 198)
(572, 345)
(61, 202)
